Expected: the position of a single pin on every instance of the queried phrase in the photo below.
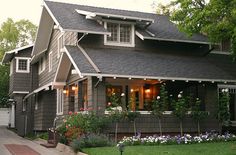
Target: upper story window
(122, 34)
(41, 65)
(61, 43)
(50, 61)
(22, 65)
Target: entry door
(136, 98)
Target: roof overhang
(92, 15)
(152, 37)
(45, 87)
(10, 54)
(44, 32)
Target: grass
(220, 148)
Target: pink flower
(64, 120)
(76, 113)
(81, 109)
(70, 112)
(109, 103)
(67, 126)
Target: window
(60, 100)
(60, 45)
(22, 65)
(50, 60)
(121, 34)
(41, 65)
(11, 67)
(24, 105)
(36, 102)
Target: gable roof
(10, 54)
(161, 28)
(128, 63)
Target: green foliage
(180, 107)
(131, 115)
(43, 136)
(83, 124)
(90, 140)
(180, 110)
(4, 84)
(215, 18)
(196, 112)
(223, 114)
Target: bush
(90, 140)
(43, 136)
(77, 124)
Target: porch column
(12, 115)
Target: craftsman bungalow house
(83, 54)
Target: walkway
(9, 137)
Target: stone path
(8, 137)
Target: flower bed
(186, 139)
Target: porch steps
(48, 145)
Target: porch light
(147, 91)
(130, 78)
(186, 80)
(131, 90)
(212, 81)
(145, 79)
(114, 77)
(74, 88)
(173, 80)
(200, 81)
(64, 91)
(225, 82)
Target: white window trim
(50, 62)
(11, 67)
(58, 44)
(60, 95)
(17, 64)
(23, 106)
(132, 44)
(40, 63)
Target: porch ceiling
(146, 64)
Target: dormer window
(122, 34)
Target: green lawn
(223, 148)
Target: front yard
(220, 148)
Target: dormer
(121, 27)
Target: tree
(223, 114)
(12, 35)
(197, 114)
(214, 18)
(160, 105)
(180, 110)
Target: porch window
(22, 65)
(60, 101)
(122, 34)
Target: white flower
(226, 90)
(158, 97)
(179, 96)
(122, 94)
(181, 92)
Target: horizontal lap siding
(46, 77)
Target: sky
(31, 9)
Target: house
(83, 54)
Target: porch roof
(146, 64)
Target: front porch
(94, 94)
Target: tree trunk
(116, 132)
(160, 127)
(181, 128)
(135, 131)
(198, 127)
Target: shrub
(43, 136)
(90, 140)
